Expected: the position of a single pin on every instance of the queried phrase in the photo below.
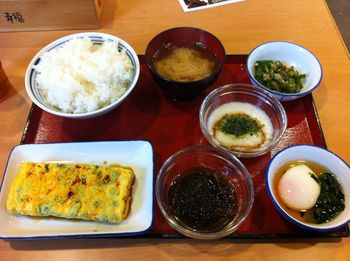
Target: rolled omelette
(72, 191)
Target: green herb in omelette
(278, 77)
(239, 125)
(331, 199)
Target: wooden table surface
(240, 27)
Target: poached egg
(298, 188)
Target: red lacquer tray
(171, 126)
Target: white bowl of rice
(82, 75)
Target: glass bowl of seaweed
(204, 192)
(242, 119)
(295, 173)
(184, 61)
(286, 70)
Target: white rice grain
(82, 77)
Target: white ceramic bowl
(324, 158)
(96, 38)
(292, 55)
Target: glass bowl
(227, 167)
(191, 38)
(316, 155)
(246, 98)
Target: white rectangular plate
(135, 154)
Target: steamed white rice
(81, 77)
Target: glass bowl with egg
(310, 187)
(184, 61)
(204, 192)
(242, 119)
(82, 75)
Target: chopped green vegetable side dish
(331, 199)
(278, 77)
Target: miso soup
(184, 63)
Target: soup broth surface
(184, 63)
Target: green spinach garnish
(331, 199)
